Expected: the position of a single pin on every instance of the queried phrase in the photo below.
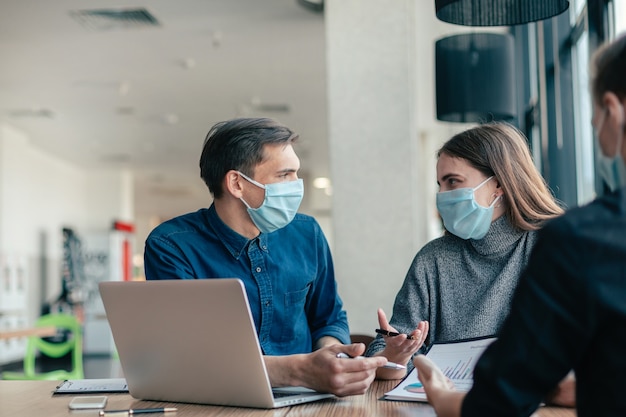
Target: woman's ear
(499, 191)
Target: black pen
(392, 334)
(138, 411)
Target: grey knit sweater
(462, 287)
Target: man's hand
(399, 349)
(322, 371)
(439, 389)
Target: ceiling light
(321, 182)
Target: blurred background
(104, 108)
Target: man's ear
(616, 112)
(232, 183)
(612, 104)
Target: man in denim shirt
(252, 232)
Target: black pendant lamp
(475, 78)
(497, 12)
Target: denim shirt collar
(235, 243)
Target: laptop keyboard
(282, 394)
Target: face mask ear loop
(482, 183)
(498, 197)
(501, 197)
(250, 180)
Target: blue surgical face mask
(462, 215)
(281, 203)
(611, 169)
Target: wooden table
(34, 331)
(34, 398)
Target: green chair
(35, 345)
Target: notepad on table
(455, 359)
(84, 386)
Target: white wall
(39, 195)
(383, 138)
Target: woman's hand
(399, 349)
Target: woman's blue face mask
(461, 213)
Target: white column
(373, 146)
(383, 136)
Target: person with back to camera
(492, 200)
(569, 310)
(252, 232)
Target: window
(619, 11)
(585, 177)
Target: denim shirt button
(258, 269)
(267, 303)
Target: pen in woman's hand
(393, 334)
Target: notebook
(192, 341)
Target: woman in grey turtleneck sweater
(491, 200)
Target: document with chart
(455, 359)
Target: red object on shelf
(124, 226)
(126, 260)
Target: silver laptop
(192, 341)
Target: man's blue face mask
(281, 203)
(461, 213)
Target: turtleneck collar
(501, 235)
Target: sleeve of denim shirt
(164, 260)
(324, 307)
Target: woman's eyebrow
(445, 177)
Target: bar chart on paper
(462, 370)
(455, 359)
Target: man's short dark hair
(238, 144)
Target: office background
(121, 139)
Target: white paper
(455, 359)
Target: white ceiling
(143, 98)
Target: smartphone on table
(89, 401)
